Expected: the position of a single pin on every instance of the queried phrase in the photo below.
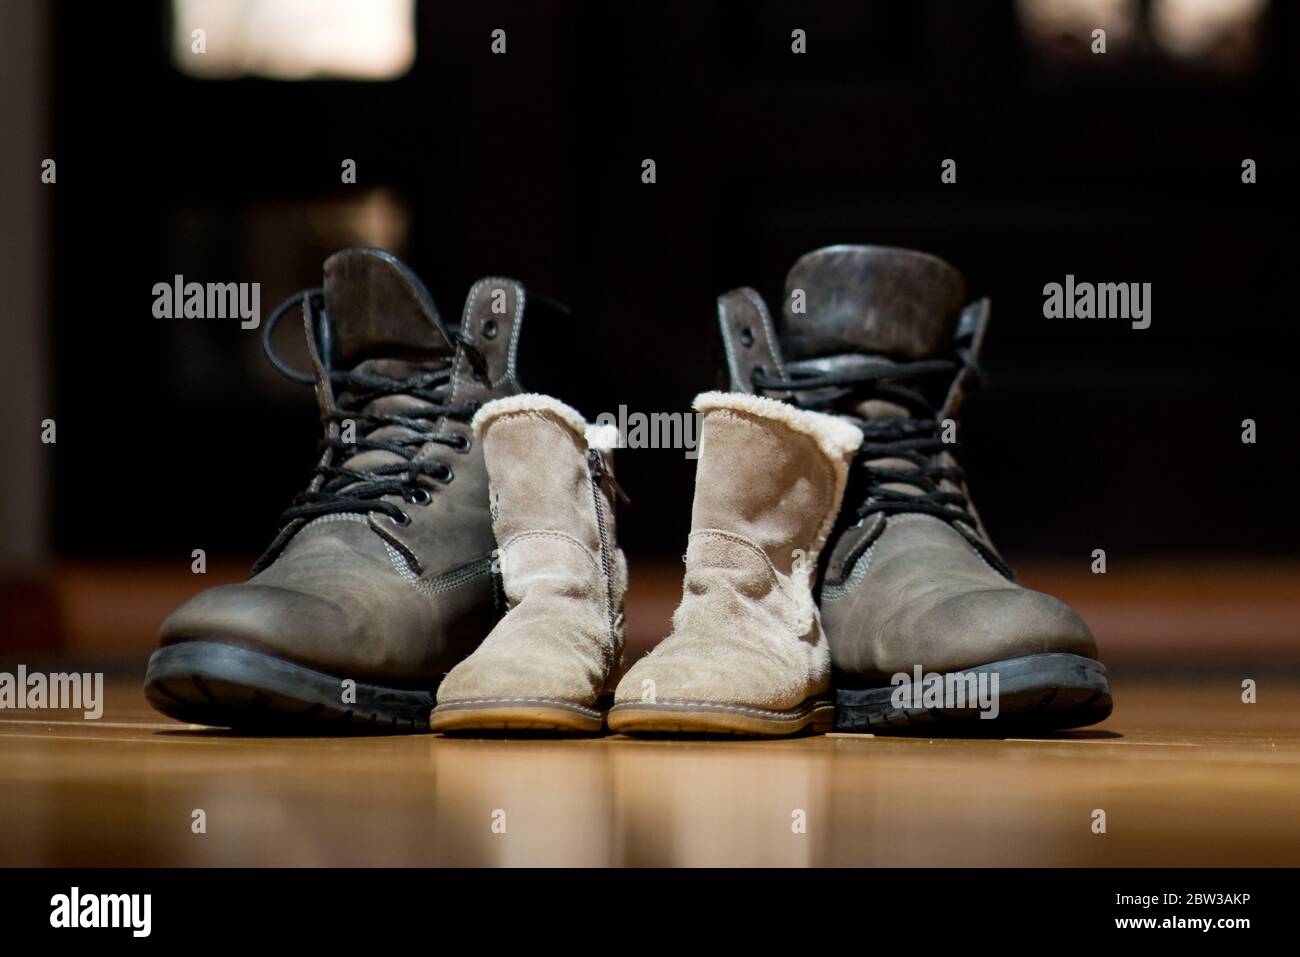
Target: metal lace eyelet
(404, 520)
(462, 444)
(489, 328)
(446, 475)
(420, 496)
(747, 337)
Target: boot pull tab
(748, 338)
(601, 472)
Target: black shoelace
(915, 439)
(362, 491)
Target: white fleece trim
(837, 439)
(603, 437)
(527, 402)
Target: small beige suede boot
(747, 654)
(557, 653)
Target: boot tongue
(381, 321)
(870, 306)
(379, 309)
(873, 300)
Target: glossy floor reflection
(1186, 775)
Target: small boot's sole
(225, 686)
(1048, 692)
(817, 716)
(516, 714)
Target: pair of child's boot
(747, 653)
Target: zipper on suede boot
(600, 473)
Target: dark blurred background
(1123, 166)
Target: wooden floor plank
(1186, 775)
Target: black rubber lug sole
(1036, 693)
(224, 686)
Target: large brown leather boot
(380, 578)
(928, 628)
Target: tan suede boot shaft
(548, 662)
(747, 654)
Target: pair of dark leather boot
(383, 577)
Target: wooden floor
(1186, 775)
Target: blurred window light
(1201, 28)
(294, 39)
(1071, 22)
